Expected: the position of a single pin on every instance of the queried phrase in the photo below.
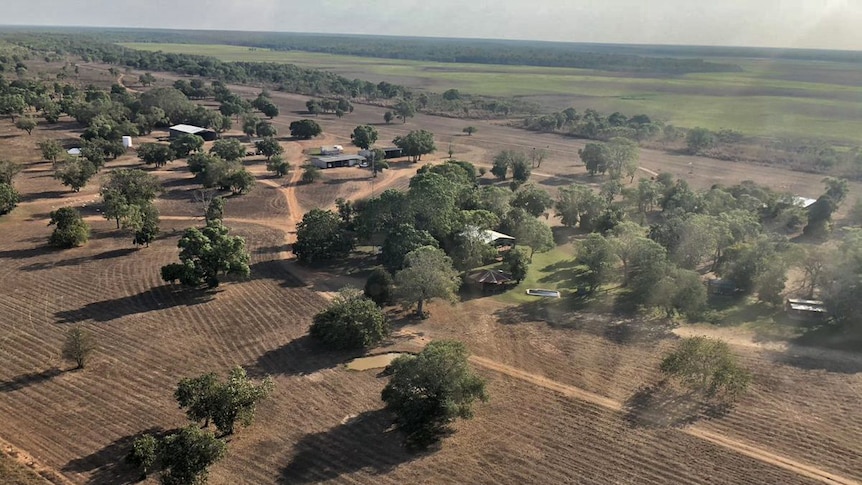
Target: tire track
(717, 439)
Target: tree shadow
(26, 380)
(300, 356)
(114, 253)
(277, 270)
(662, 406)
(47, 194)
(27, 252)
(364, 443)
(109, 464)
(158, 298)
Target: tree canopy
(71, 230)
(305, 129)
(321, 237)
(351, 321)
(207, 253)
(428, 274)
(415, 144)
(429, 391)
(706, 365)
(364, 136)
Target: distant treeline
(479, 51)
(287, 77)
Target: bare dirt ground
(575, 397)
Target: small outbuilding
(177, 131)
(336, 161)
(805, 310)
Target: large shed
(337, 161)
(177, 131)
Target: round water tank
(127, 141)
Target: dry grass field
(575, 397)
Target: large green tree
(351, 321)
(158, 154)
(404, 109)
(225, 403)
(596, 157)
(305, 129)
(429, 391)
(183, 145)
(75, 173)
(269, 147)
(321, 237)
(228, 149)
(706, 365)
(529, 231)
(186, 455)
(415, 144)
(428, 274)
(71, 230)
(207, 253)
(533, 199)
(9, 198)
(364, 136)
(596, 254)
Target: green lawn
(771, 98)
(551, 271)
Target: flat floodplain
(771, 97)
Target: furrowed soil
(575, 397)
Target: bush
(707, 365)
(9, 198)
(350, 322)
(71, 230)
(378, 287)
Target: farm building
(337, 161)
(805, 310)
(332, 150)
(177, 131)
(389, 152)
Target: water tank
(127, 141)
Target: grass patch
(774, 98)
(552, 271)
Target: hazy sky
(832, 24)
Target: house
(332, 150)
(177, 131)
(805, 310)
(337, 161)
(721, 287)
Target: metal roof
(339, 158)
(188, 129)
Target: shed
(177, 131)
(721, 287)
(805, 310)
(335, 161)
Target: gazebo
(490, 278)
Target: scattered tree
(71, 230)
(310, 173)
(470, 130)
(228, 149)
(699, 139)
(9, 198)
(51, 150)
(428, 274)
(415, 144)
(404, 109)
(26, 123)
(186, 455)
(305, 129)
(75, 173)
(706, 365)
(158, 154)
(278, 165)
(269, 147)
(207, 253)
(183, 145)
(429, 391)
(78, 346)
(351, 321)
(596, 254)
(596, 157)
(533, 199)
(388, 117)
(364, 136)
(206, 398)
(8, 171)
(144, 453)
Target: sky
(827, 24)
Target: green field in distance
(775, 98)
